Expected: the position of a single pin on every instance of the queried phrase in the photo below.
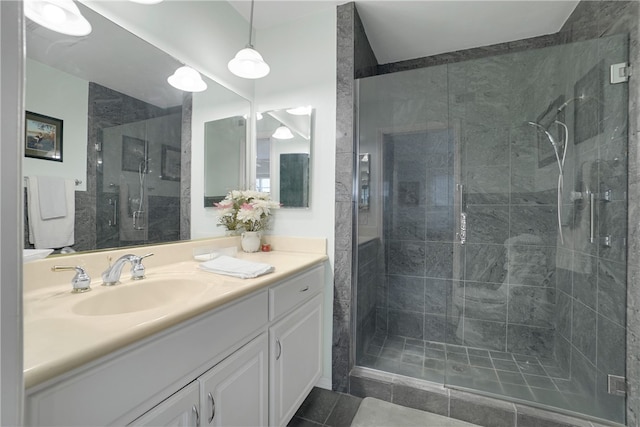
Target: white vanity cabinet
(295, 343)
(180, 410)
(250, 362)
(295, 359)
(232, 393)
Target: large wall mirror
(283, 155)
(126, 134)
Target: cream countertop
(57, 340)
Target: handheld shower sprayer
(560, 160)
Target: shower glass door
(492, 251)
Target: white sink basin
(145, 294)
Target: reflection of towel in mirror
(235, 267)
(54, 231)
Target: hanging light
(62, 16)
(282, 132)
(248, 63)
(187, 79)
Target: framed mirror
(128, 135)
(283, 155)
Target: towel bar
(77, 181)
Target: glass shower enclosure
(492, 226)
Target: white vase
(250, 241)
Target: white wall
(302, 56)
(57, 94)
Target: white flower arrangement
(245, 210)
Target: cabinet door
(295, 347)
(180, 410)
(234, 392)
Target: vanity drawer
(292, 292)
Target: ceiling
(400, 30)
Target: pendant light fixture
(282, 132)
(62, 16)
(248, 63)
(187, 79)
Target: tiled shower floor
(509, 374)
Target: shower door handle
(462, 233)
(592, 214)
(114, 221)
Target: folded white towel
(53, 199)
(235, 267)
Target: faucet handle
(137, 269)
(81, 282)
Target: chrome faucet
(81, 282)
(111, 275)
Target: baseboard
(324, 383)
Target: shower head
(569, 101)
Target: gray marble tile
(505, 365)
(438, 328)
(406, 293)
(484, 301)
(611, 342)
(486, 147)
(407, 257)
(344, 411)
(365, 387)
(408, 223)
(437, 295)
(487, 224)
(318, 405)
(539, 221)
(532, 306)
(564, 315)
(479, 412)
(485, 334)
(439, 260)
(437, 403)
(612, 292)
(485, 263)
(529, 340)
(584, 329)
(406, 323)
(440, 225)
(487, 185)
(585, 279)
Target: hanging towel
(235, 267)
(54, 232)
(53, 200)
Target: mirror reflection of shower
(139, 213)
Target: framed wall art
(43, 137)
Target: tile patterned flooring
(514, 375)
(326, 408)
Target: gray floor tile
(390, 353)
(412, 349)
(434, 354)
(501, 355)
(505, 365)
(457, 357)
(483, 362)
(540, 382)
(478, 352)
(318, 405)
(510, 377)
(301, 422)
(344, 411)
(531, 368)
(412, 359)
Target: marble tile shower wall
(370, 278)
